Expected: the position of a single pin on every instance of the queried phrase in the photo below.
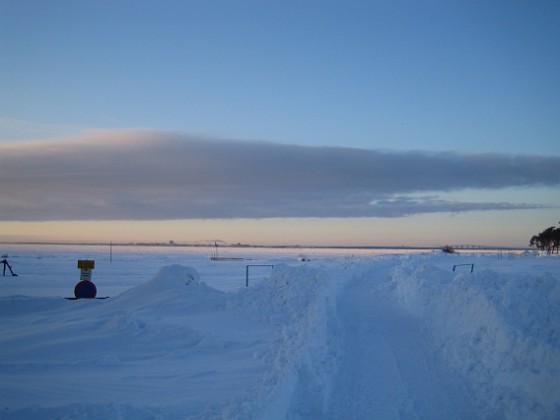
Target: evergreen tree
(547, 240)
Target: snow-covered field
(345, 335)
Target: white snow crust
(333, 337)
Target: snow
(338, 334)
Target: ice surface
(344, 335)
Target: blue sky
(436, 86)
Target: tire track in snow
(388, 369)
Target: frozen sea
(51, 270)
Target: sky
(364, 123)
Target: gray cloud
(151, 175)
(404, 206)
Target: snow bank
(500, 331)
(301, 303)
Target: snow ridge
(499, 331)
(301, 303)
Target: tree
(547, 240)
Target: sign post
(85, 289)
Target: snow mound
(172, 286)
(500, 331)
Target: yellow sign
(86, 264)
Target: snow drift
(501, 331)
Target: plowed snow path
(388, 369)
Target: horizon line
(173, 244)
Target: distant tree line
(547, 240)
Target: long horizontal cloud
(404, 206)
(152, 175)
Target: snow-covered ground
(344, 335)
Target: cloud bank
(149, 175)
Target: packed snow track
(388, 369)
